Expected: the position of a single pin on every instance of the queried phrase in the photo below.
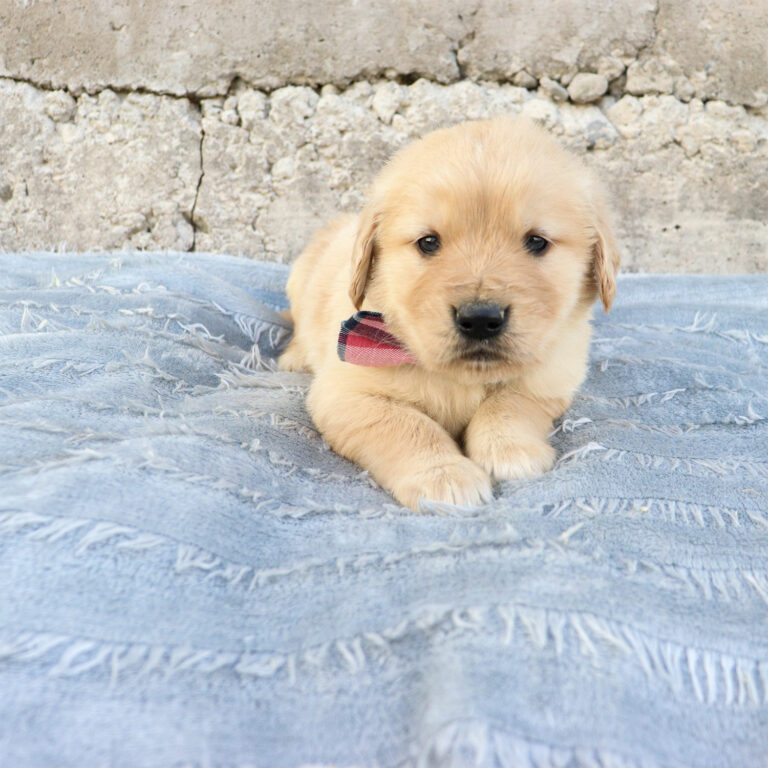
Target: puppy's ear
(362, 255)
(606, 260)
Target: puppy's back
(318, 292)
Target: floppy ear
(606, 258)
(362, 255)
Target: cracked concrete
(242, 132)
(685, 178)
(193, 211)
(108, 171)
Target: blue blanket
(189, 577)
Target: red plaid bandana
(365, 340)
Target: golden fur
(445, 428)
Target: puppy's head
(479, 243)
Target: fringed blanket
(189, 577)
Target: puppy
(483, 248)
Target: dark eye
(429, 244)
(536, 245)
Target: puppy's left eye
(536, 245)
(429, 244)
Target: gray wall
(241, 126)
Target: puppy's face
(478, 244)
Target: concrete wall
(241, 126)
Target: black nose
(479, 320)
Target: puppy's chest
(450, 405)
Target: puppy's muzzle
(478, 320)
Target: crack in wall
(192, 217)
(120, 90)
(401, 78)
(649, 45)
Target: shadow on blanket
(190, 577)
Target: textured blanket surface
(189, 577)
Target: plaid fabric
(365, 340)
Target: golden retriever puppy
(483, 248)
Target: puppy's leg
(293, 358)
(507, 436)
(407, 453)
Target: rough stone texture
(554, 39)
(651, 76)
(108, 172)
(200, 46)
(275, 174)
(610, 67)
(686, 180)
(587, 87)
(721, 46)
(192, 127)
(552, 89)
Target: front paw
(456, 480)
(509, 459)
(292, 359)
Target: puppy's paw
(455, 481)
(506, 459)
(292, 359)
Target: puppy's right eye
(428, 245)
(536, 245)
